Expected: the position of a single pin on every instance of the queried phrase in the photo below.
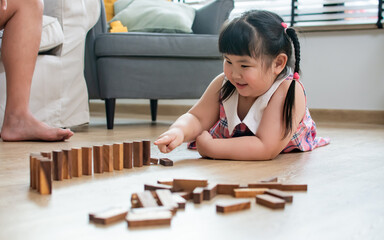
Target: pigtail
(290, 98)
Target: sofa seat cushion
(157, 45)
(52, 35)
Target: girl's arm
(269, 140)
(200, 117)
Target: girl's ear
(279, 63)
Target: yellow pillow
(109, 9)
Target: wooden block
(98, 159)
(146, 199)
(45, 176)
(58, 165)
(67, 164)
(33, 170)
(166, 199)
(233, 207)
(77, 162)
(294, 187)
(152, 187)
(146, 152)
(109, 216)
(270, 185)
(248, 192)
(271, 179)
(154, 161)
(118, 156)
(186, 195)
(86, 160)
(127, 150)
(280, 194)
(210, 191)
(270, 201)
(166, 162)
(46, 154)
(137, 153)
(198, 195)
(166, 182)
(226, 188)
(36, 175)
(108, 158)
(179, 200)
(155, 218)
(188, 185)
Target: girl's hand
(204, 143)
(3, 4)
(169, 140)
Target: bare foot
(26, 128)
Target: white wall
(340, 70)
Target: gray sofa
(154, 65)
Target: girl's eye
(244, 66)
(228, 62)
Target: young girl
(257, 108)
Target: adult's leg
(22, 23)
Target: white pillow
(52, 35)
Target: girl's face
(250, 76)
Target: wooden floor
(344, 199)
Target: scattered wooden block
(270, 185)
(154, 161)
(118, 156)
(233, 207)
(198, 195)
(86, 153)
(226, 189)
(58, 165)
(280, 194)
(248, 192)
(166, 162)
(77, 162)
(144, 218)
(270, 201)
(188, 185)
(166, 199)
(210, 191)
(166, 182)
(109, 216)
(152, 187)
(179, 200)
(67, 164)
(146, 199)
(186, 195)
(271, 179)
(45, 176)
(108, 158)
(127, 150)
(146, 152)
(98, 159)
(137, 153)
(294, 187)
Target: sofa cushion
(52, 35)
(157, 45)
(155, 16)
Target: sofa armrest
(215, 13)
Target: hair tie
(285, 26)
(296, 76)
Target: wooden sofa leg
(153, 103)
(110, 111)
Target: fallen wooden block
(294, 187)
(137, 153)
(108, 158)
(166, 162)
(118, 156)
(166, 199)
(155, 218)
(77, 162)
(186, 195)
(198, 195)
(45, 175)
(127, 152)
(146, 152)
(271, 179)
(166, 182)
(270, 185)
(188, 185)
(210, 191)
(270, 201)
(248, 192)
(280, 194)
(226, 188)
(108, 216)
(98, 159)
(86, 153)
(146, 199)
(179, 200)
(152, 187)
(233, 207)
(154, 161)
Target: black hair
(260, 34)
